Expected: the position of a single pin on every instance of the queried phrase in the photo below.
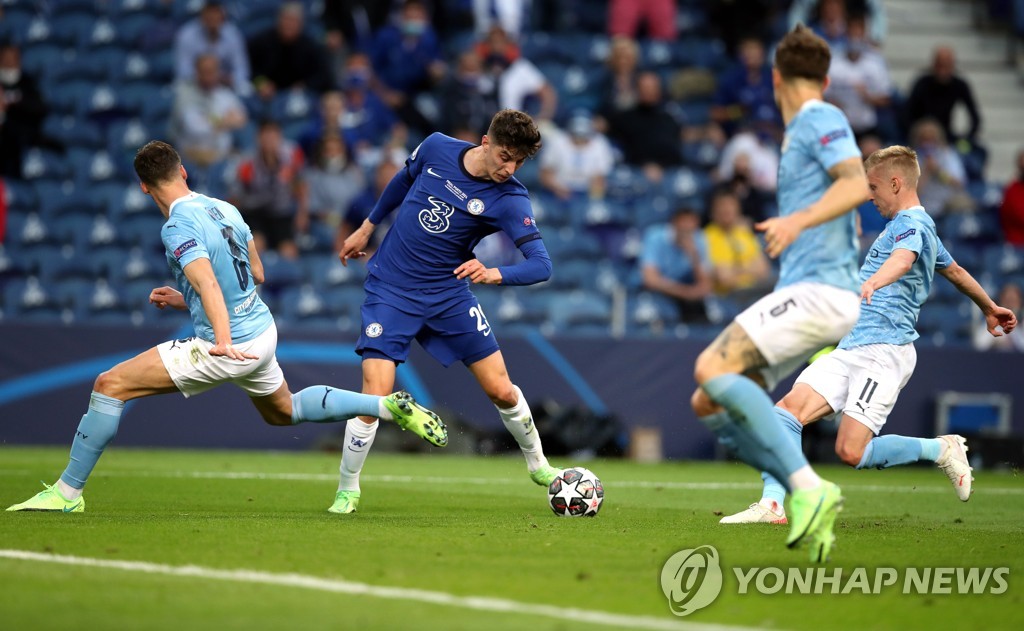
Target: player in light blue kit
(449, 196)
(815, 303)
(216, 266)
(872, 364)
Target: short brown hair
(803, 55)
(515, 131)
(156, 163)
(896, 158)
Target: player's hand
(1000, 317)
(167, 297)
(226, 349)
(867, 290)
(475, 271)
(354, 246)
(779, 233)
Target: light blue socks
(894, 450)
(97, 428)
(324, 404)
(750, 428)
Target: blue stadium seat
(65, 198)
(68, 265)
(574, 274)
(40, 60)
(67, 97)
(123, 200)
(126, 136)
(653, 208)
(981, 226)
(293, 105)
(132, 29)
(83, 66)
(143, 230)
(30, 299)
(565, 243)
(1004, 259)
(40, 31)
(91, 166)
(15, 24)
(549, 211)
(73, 132)
(28, 230)
(651, 311)
(344, 301)
(280, 272)
(42, 164)
(20, 196)
(73, 229)
(580, 307)
(70, 28)
(325, 271)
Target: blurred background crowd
(661, 146)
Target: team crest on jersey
(437, 219)
(374, 329)
(475, 206)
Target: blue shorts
(448, 323)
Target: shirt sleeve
(832, 138)
(651, 247)
(907, 235)
(517, 220)
(943, 258)
(183, 242)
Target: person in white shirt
(859, 81)
(576, 161)
(204, 115)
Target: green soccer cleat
(413, 416)
(545, 475)
(812, 516)
(345, 502)
(50, 499)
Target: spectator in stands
(212, 34)
(618, 86)
(941, 187)
(577, 161)
(828, 17)
(284, 57)
(937, 92)
(648, 134)
(270, 193)
(1011, 211)
(520, 85)
(745, 93)
(752, 158)
(359, 209)
(733, 21)
(859, 81)
(674, 262)
(351, 23)
(871, 221)
(21, 111)
(1011, 298)
(366, 121)
(735, 256)
(204, 115)
(468, 99)
(406, 59)
(657, 17)
(509, 15)
(334, 181)
(326, 123)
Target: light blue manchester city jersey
(204, 227)
(818, 138)
(892, 314)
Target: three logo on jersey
(437, 219)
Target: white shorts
(862, 382)
(793, 323)
(194, 370)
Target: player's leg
(515, 414)
(140, 376)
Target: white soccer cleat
(765, 511)
(953, 463)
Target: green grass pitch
(266, 554)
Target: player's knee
(503, 395)
(277, 419)
(707, 367)
(791, 405)
(702, 404)
(850, 453)
(108, 383)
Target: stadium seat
(91, 166)
(57, 199)
(40, 164)
(980, 227)
(28, 231)
(652, 312)
(280, 272)
(70, 28)
(40, 59)
(73, 229)
(73, 132)
(580, 307)
(67, 97)
(15, 24)
(28, 298)
(293, 105)
(68, 265)
(1004, 259)
(344, 301)
(20, 196)
(142, 230)
(325, 271)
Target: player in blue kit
(873, 363)
(216, 267)
(815, 302)
(449, 196)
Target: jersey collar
(183, 198)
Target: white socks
(804, 479)
(383, 413)
(358, 440)
(518, 421)
(69, 493)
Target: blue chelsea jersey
(444, 215)
(817, 138)
(204, 227)
(892, 314)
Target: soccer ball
(576, 492)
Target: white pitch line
(479, 603)
(407, 479)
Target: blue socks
(773, 489)
(97, 428)
(893, 450)
(750, 428)
(324, 404)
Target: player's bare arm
(898, 264)
(849, 189)
(355, 245)
(165, 296)
(255, 264)
(477, 273)
(995, 316)
(200, 274)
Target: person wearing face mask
(406, 58)
(21, 111)
(333, 180)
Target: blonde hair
(896, 157)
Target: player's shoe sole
(417, 419)
(812, 520)
(756, 513)
(956, 467)
(545, 475)
(50, 500)
(345, 502)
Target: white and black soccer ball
(576, 492)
